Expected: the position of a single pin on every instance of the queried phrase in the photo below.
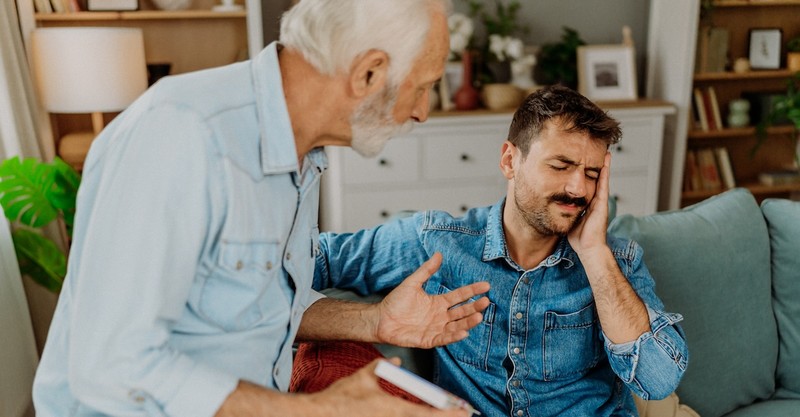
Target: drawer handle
(464, 208)
(465, 157)
(383, 162)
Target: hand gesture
(590, 233)
(410, 317)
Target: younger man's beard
(373, 124)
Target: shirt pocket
(245, 274)
(571, 343)
(474, 350)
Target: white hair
(331, 33)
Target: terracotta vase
(466, 98)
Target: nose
(576, 183)
(422, 107)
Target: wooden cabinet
(189, 40)
(778, 150)
(451, 163)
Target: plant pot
(501, 96)
(793, 61)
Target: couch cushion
(776, 408)
(783, 220)
(710, 262)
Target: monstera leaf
(33, 194)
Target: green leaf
(23, 188)
(40, 259)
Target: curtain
(18, 359)
(24, 131)
(22, 123)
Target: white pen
(421, 388)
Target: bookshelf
(189, 40)
(778, 150)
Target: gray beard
(373, 125)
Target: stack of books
(56, 6)
(780, 177)
(706, 110)
(708, 169)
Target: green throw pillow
(711, 263)
(783, 220)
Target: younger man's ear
(507, 159)
(369, 72)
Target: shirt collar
(495, 246)
(278, 149)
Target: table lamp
(87, 70)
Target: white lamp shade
(88, 69)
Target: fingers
(424, 272)
(464, 310)
(462, 294)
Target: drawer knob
(465, 157)
(384, 214)
(618, 148)
(383, 162)
(615, 197)
(464, 208)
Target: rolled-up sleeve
(148, 221)
(653, 364)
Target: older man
(195, 234)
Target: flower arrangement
(502, 44)
(461, 31)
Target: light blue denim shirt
(192, 258)
(540, 350)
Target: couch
(732, 269)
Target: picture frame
(765, 48)
(607, 72)
(112, 5)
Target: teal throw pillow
(711, 263)
(783, 220)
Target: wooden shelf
(139, 15)
(750, 75)
(754, 3)
(738, 132)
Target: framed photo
(765, 48)
(607, 72)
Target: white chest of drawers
(451, 163)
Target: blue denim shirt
(540, 350)
(192, 257)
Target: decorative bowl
(501, 96)
(172, 4)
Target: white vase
(454, 74)
(172, 4)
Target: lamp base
(73, 147)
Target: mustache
(566, 199)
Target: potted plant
(33, 194)
(793, 54)
(784, 107)
(501, 45)
(558, 62)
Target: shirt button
(526, 280)
(516, 350)
(518, 315)
(277, 371)
(239, 265)
(269, 266)
(515, 383)
(288, 256)
(520, 412)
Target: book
(692, 172)
(711, 54)
(725, 168)
(709, 172)
(701, 109)
(780, 177)
(712, 123)
(712, 97)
